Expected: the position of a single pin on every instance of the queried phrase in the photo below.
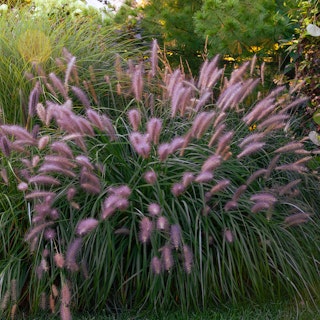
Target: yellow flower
(253, 127)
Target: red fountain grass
(185, 182)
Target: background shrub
(191, 30)
(307, 61)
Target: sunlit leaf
(316, 117)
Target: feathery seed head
(80, 94)
(59, 260)
(288, 187)
(14, 290)
(240, 190)
(85, 226)
(5, 300)
(219, 186)
(211, 163)
(71, 255)
(137, 82)
(70, 67)
(4, 176)
(84, 161)
(167, 258)
(35, 231)
(228, 235)
(177, 189)
(95, 118)
(154, 126)
(291, 146)
(276, 121)
(123, 204)
(140, 143)
(255, 137)
(250, 148)
(54, 214)
(44, 180)
(224, 141)
(204, 176)
(146, 228)
(261, 206)
(175, 235)
(117, 200)
(154, 209)
(123, 191)
(201, 123)
(58, 85)
(154, 57)
(5, 146)
(43, 301)
(50, 234)
(71, 192)
(134, 116)
(292, 167)
(34, 99)
(22, 186)
(187, 178)
(231, 205)
(150, 177)
(264, 197)
(109, 128)
(188, 259)
(56, 168)
(156, 265)
(41, 112)
(217, 133)
(296, 219)
(164, 150)
(61, 148)
(19, 133)
(65, 295)
(162, 223)
(43, 142)
(176, 144)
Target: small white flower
(4, 8)
(313, 30)
(315, 138)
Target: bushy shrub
(238, 28)
(61, 8)
(305, 61)
(181, 196)
(307, 51)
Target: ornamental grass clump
(171, 199)
(32, 38)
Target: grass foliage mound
(157, 191)
(31, 42)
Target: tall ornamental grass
(183, 196)
(32, 43)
